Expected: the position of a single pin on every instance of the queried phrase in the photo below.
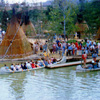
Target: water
(50, 84)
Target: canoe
(8, 71)
(80, 69)
(62, 61)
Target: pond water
(50, 84)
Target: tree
(91, 14)
(47, 11)
(4, 20)
(62, 15)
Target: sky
(19, 1)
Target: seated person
(28, 65)
(54, 60)
(41, 63)
(25, 67)
(19, 66)
(6, 67)
(16, 66)
(12, 67)
(46, 62)
(31, 62)
(94, 56)
(99, 64)
(32, 65)
(90, 66)
(49, 61)
(22, 66)
(37, 64)
(94, 64)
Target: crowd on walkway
(39, 46)
(63, 47)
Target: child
(6, 67)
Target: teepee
(20, 47)
(98, 34)
(82, 27)
(29, 29)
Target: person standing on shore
(84, 57)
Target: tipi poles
(11, 41)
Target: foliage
(53, 17)
(63, 15)
(71, 41)
(49, 9)
(34, 14)
(91, 14)
(4, 20)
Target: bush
(70, 41)
(73, 41)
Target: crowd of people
(39, 46)
(26, 65)
(61, 47)
(94, 63)
(76, 48)
(31, 64)
(73, 48)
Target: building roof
(81, 26)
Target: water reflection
(51, 84)
(5, 90)
(17, 84)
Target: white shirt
(28, 65)
(99, 45)
(99, 64)
(12, 66)
(94, 43)
(18, 66)
(92, 47)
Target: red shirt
(79, 47)
(33, 65)
(84, 56)
(59, 44)
(76, 44)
